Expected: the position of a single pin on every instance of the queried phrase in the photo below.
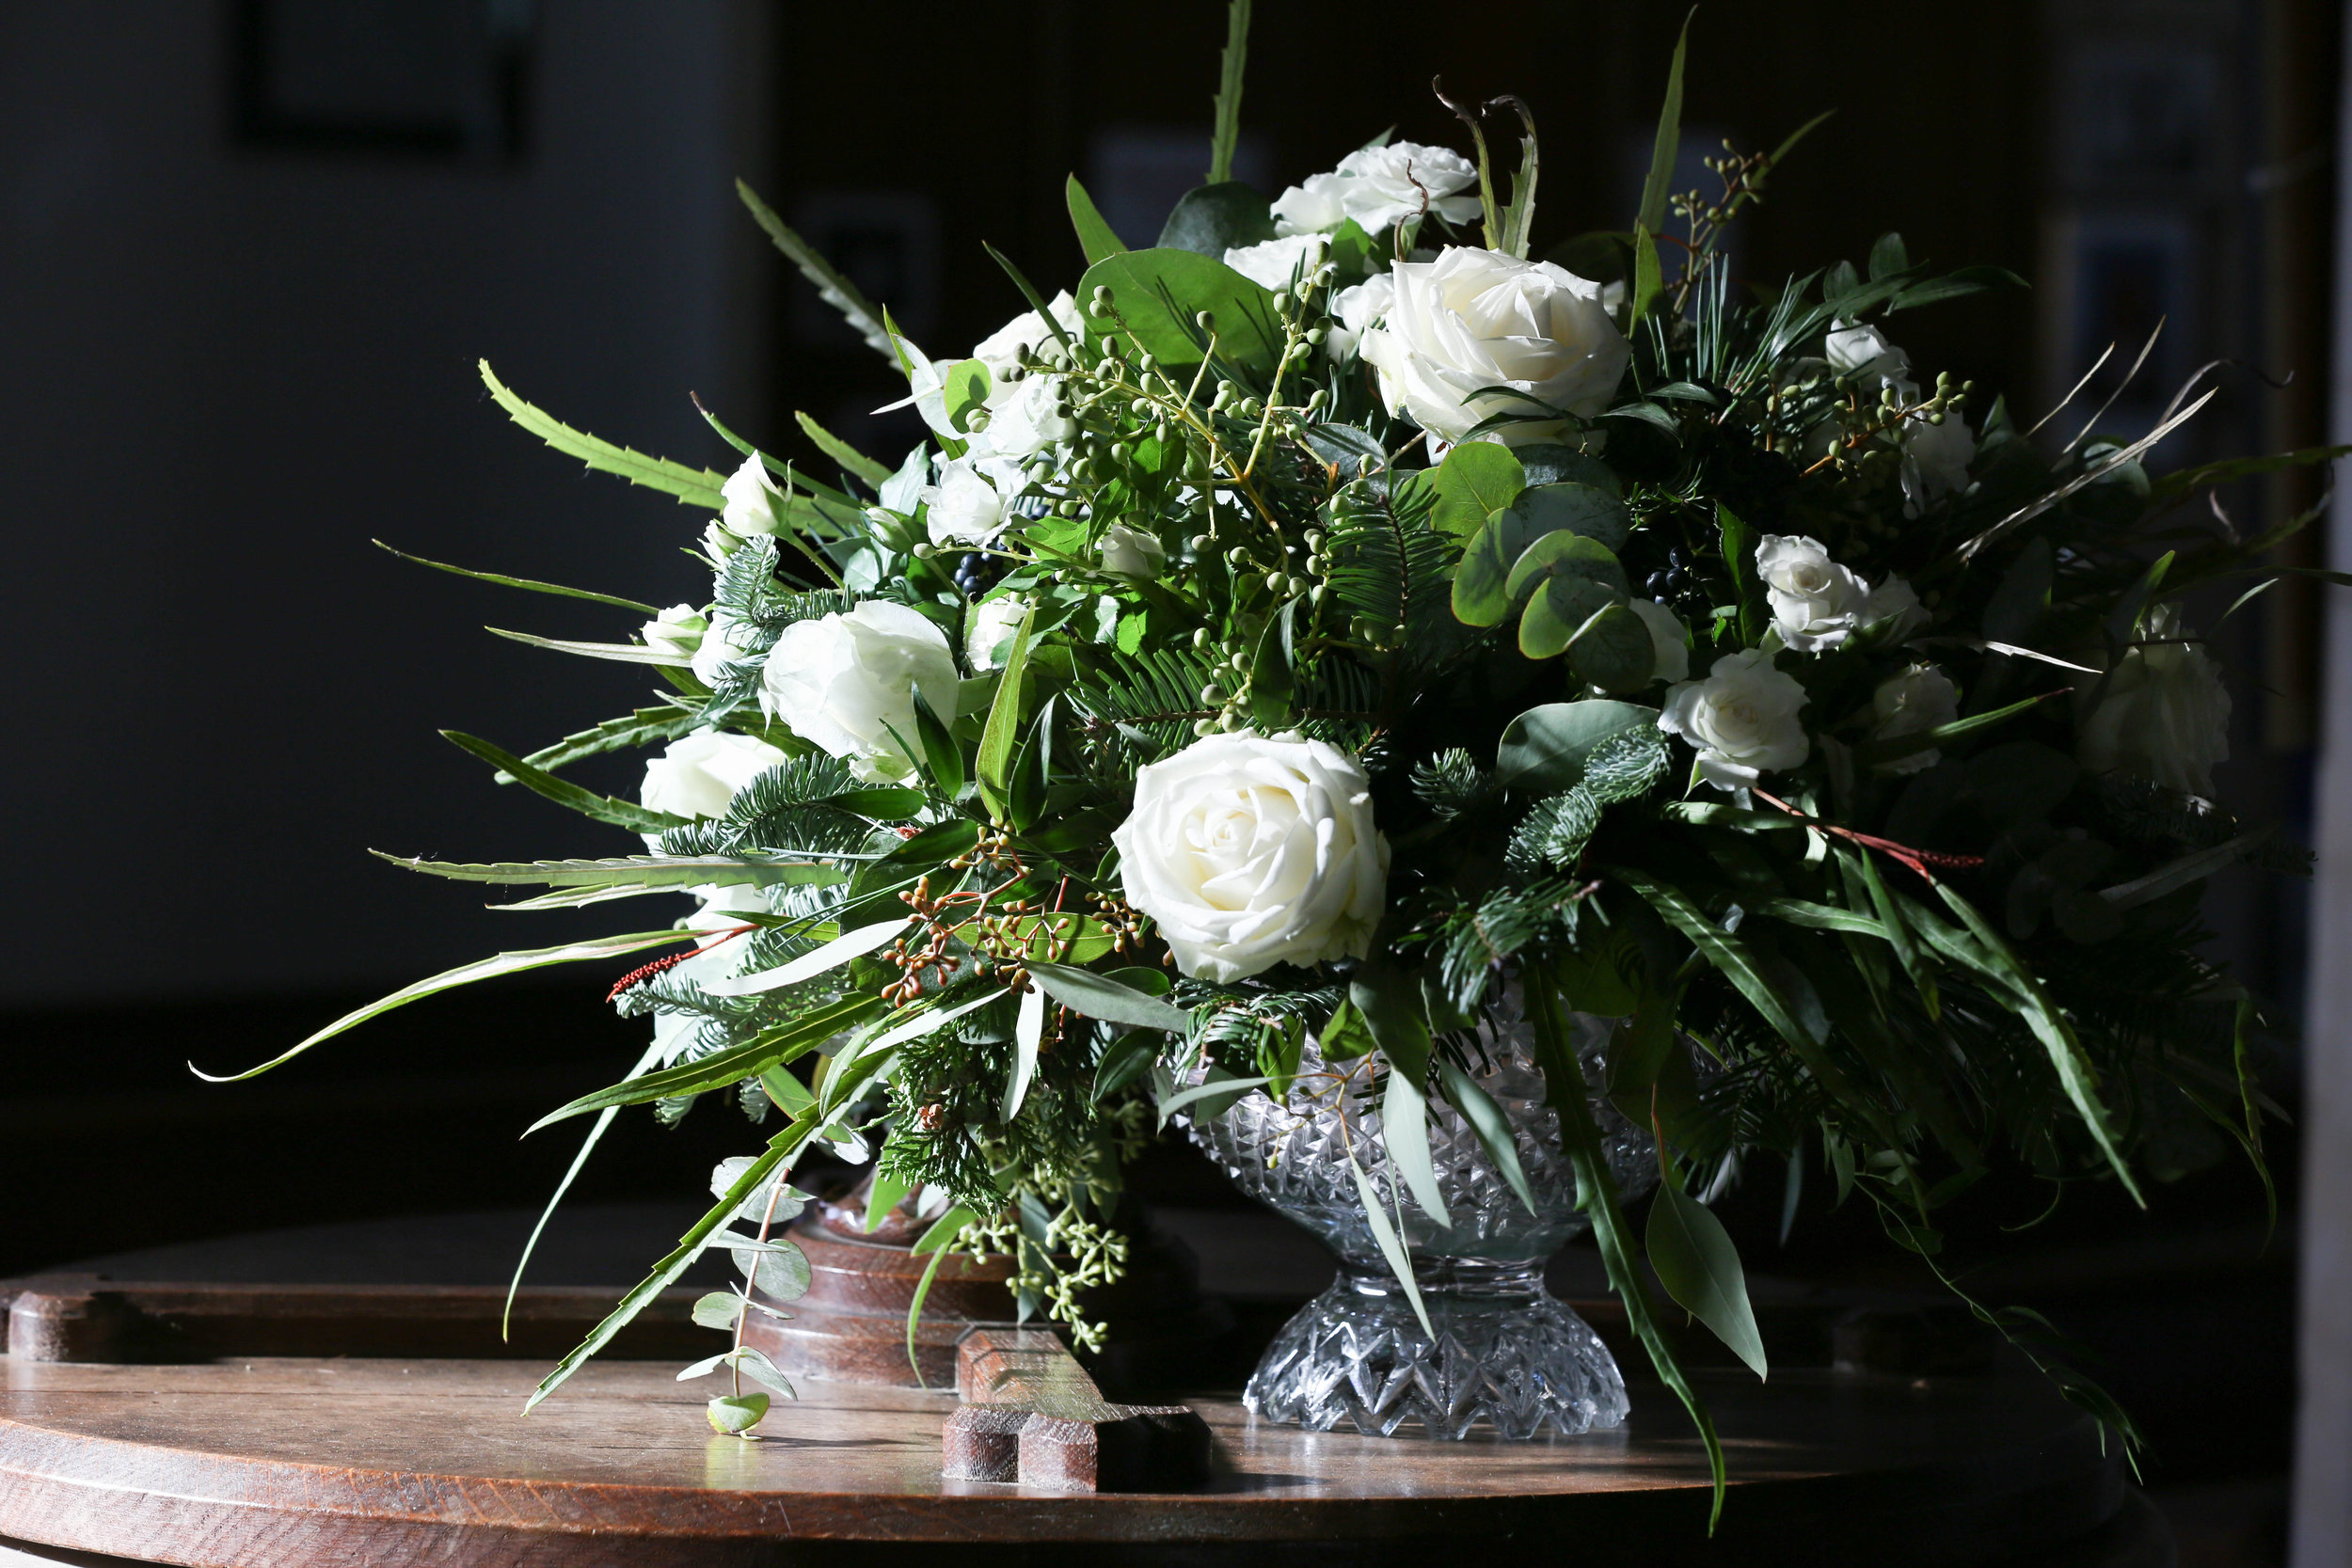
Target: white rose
(1742, 720)
(1312, 208)
(749, 494)
(1936, 458)
(1030, 419)
(719, 648)
(1920, 697)
(1128, 552)
(1252, 850)
(986, 628)
(965, 507)
(697, 775)
(1816, 604)
(1476, 319)
(677, 631)
(2165, 714)
(845, 682)
(1276, 263)
(1670, 643)
(1381, 186)
(1358, 308)
(1864, 354)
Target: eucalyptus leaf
(1405, 1131)
(1700, 1268)
(1543, 750)
(1159, 294)
(1110, 999)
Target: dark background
(251, 250)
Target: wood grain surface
(330, 1462)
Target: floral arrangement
(1305, 622)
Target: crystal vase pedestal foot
(1499, 1349)
(1507, 1352)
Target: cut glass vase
(1504, 1351)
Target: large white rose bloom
(697, 775)
(967, 505)
(1252, 850)
(1920, 697)
(2165, 714)
(719, 648)
(1315, 207)
(1742, 720)
(986, 625)
(1864, 353)
(1477, 318)
(1936, 458)
(1816, 603)
(1276, 263)
(845, 682)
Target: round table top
(341, 1461)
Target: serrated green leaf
(691, 487)
(526, 584)
(640, 728)
(643, 871)
(832, 287)
(772, 1047)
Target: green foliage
(691, 487)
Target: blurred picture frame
(443, 80)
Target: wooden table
(295, 1462)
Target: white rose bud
(1360, 309)
(987, 627)
(697, 775)
(845, 682)
(1477, 318)
(1742, 720)
(1128, 552)
(1381, 186)
(1816, 604)
(2165, 714)
(677, 631)
(749, 495)
(1668, 640)
(1252, 850)
(1920, 697)
(1277, 263)
(1864, 354)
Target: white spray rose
(1920, 697)
(749, 495)
(719, 648)
(1381, 186)
(1742, 720)
(1252, 850)
(1816, 604)
(1360, 309)
(1128, 552)
(2165, 714)
(1315, 207)
(986, 628)
(1476, 319)
(966, 506)
(1276, 263)
(1864, 354)
(1030, 419)
(698, 774)
(1936, 458)
(677, 631)
(1669, 642)
(845, 682)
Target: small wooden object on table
(1031, 1415)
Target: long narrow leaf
(645, 871)
(1405, 1129)
(780, 1150)
(599, 808)
(767, 1049)
(1391, 1248)
(832, 445)
(1227, 135)
(526, 584)
(1003, 729)
(1492, 1128)
(829, 956)
(1029, 1029)
(1668, 145)
(571, 1173)
(481, 969)
(832, 287)
(1700, 1268)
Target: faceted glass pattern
(1506, 1353)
